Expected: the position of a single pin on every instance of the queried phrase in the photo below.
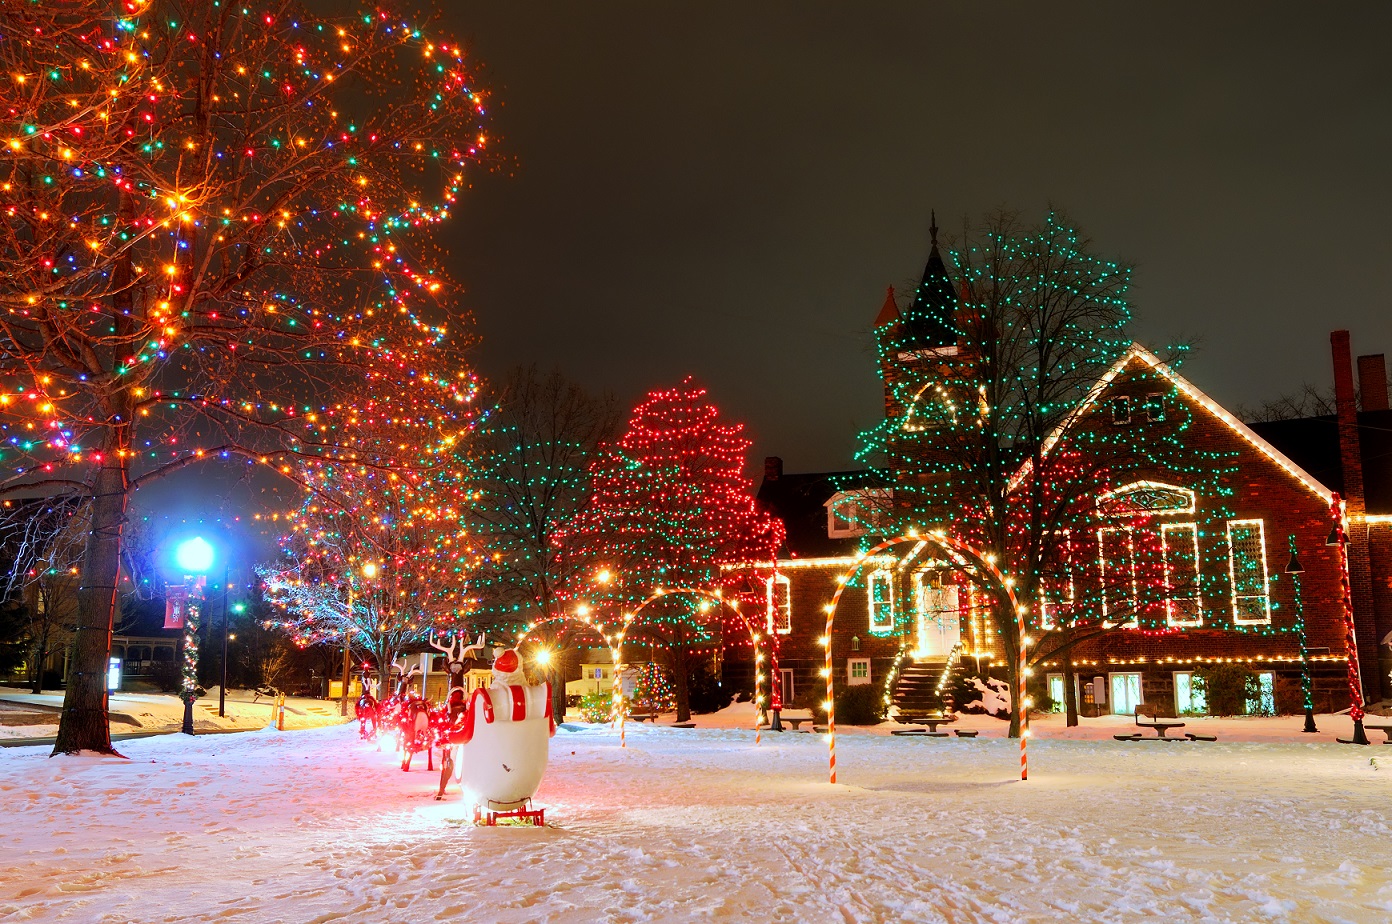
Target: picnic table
(797, 718)
(1147, 716)
(932, 721)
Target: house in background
(1186, 567)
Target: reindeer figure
(454, 663)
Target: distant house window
(857, 671)
(880, 593)
(1247, 574)
(1180, 544)
(779, 600)
(1121, 410)
(1154, 407)
(855, 513)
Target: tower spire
(933, 227)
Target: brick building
(1207, 530)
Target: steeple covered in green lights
(930, 322)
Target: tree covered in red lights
(671, 506)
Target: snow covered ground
(314, 826)
(142, 712)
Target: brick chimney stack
(1372, 382)
(1351, 463)
(773, 468)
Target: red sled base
(489, 814)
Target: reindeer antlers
(463, 650)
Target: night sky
(725, 189)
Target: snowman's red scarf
(518, 694)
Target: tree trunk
(84, 725)
(1070, 685)
(679, 670)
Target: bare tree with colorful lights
(213, 216)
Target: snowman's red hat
(506, 663)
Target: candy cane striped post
(1024, 708)
(830, 690)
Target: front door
(939, 621)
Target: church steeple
(929, 323)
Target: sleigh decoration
(505, 739)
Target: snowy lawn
(313, 826)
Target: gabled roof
(799, 500)
(1158, 366)
(1313, 444)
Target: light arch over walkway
(964, 555)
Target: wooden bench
(641, 716)
(965, 732)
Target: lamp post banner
(175, 603)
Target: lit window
(1183, 603)
(1251, 602)
(881, 597)
(779, 600)
(1188, 698)
(1146, 498)
(855, 513)
(857, 671)
(1264, 703)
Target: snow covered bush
(987, 696)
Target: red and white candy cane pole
(758, 687)
(1020, 670)
(830, 692)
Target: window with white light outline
(1248, 576)
(1056, 587)
(1116, 560)
(1183, 602)
(779, 598)
(1146, 498)
(880, 594)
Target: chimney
(1372, 382)
(773, 468)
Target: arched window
(1146, 498)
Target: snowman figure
(506, 736)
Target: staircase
(916, 690)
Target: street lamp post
(369, 570)
(195, 557)
(222, 687)
(1295, 570)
